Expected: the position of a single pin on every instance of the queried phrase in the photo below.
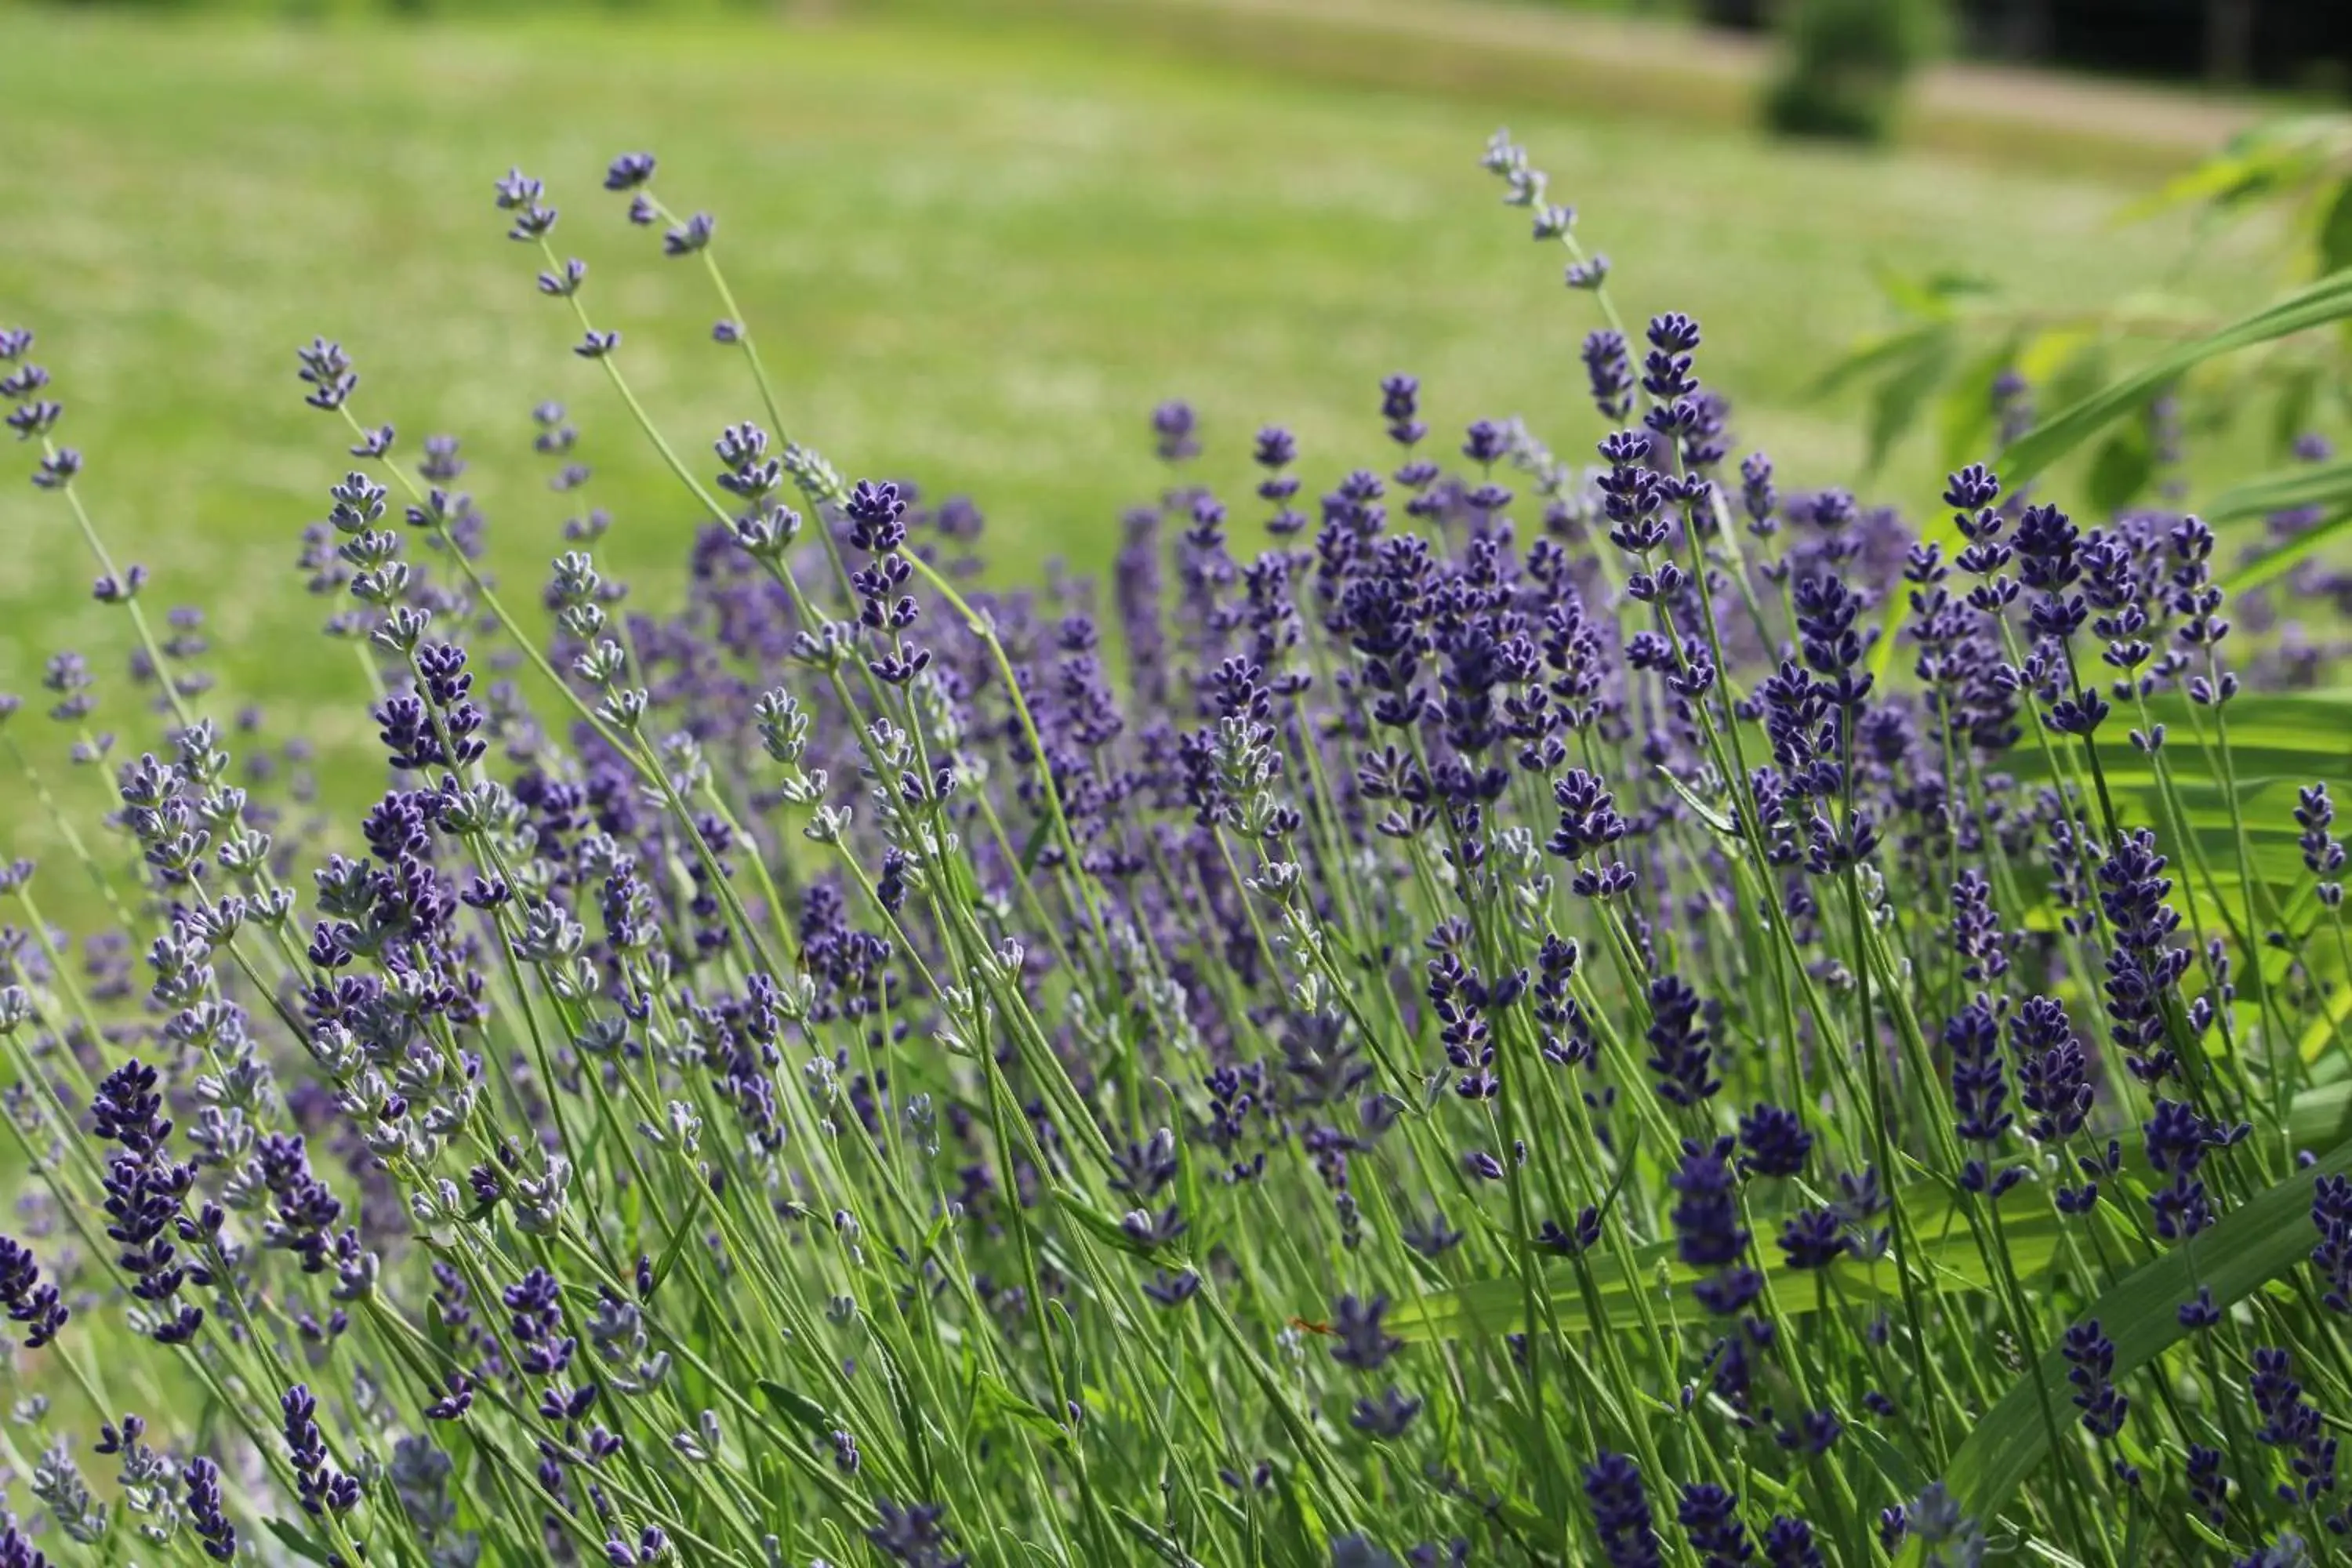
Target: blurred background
(981, 239)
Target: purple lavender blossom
(28, 1300)
(1621, 1513)
(2091, 1359)
(914, 1536)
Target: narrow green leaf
(799, 1407)
(1929, 296)
(2305, 484)
(1036, 846)
(1948, 1261)
(996, 1397)
(2135, 1534)
(2275, 563)
(910, 1422)
(2249, 163)
(2321, 1033)
(1158, 1544)
(1713, 815)
(1098, 1225)
(2210, 1536)
(2317, 304)
(932, 1236)
(291, 1537)
(684, 1234)
(1892, 1462)
(1211, 1221)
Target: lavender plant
(1499, 1023)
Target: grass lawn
(976, 257)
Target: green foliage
(2122, 465)
(2287, 355)
(1845, 63)
(2282, 372)
(2320, 304)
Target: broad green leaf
(1929, 296)
(2335, 239)
(2077, 376)
(2328, 299)
(2211, 862)
(1945, 1256)
(2120, 470)
(1903, 392)
(1874, 355)
(2253, 161)
(2284, 733)
(2300, 736)
(2298, 390)
(2279, 741)
(2252, 1245)
(2048, 352)
(1964, 415)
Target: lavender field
(1032, 806)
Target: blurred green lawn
(976, 255)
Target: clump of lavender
(861, 1058)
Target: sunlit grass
(978, 262)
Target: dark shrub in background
(1845, 63)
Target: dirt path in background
(2192, 120)
(1617, 63)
